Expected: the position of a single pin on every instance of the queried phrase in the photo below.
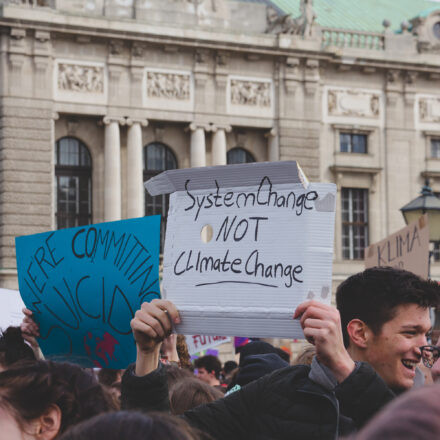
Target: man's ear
(359, 333)
(49, 423)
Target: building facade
(99, 95)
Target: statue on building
(285, 24)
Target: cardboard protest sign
(406, 249)
(245, 244)
(84, 285)
(198, 343)
(11, 306)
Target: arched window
(157, 158)
(73, 174)
(239, 155)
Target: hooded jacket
(299, 402)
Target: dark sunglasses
(430, 355)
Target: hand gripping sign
(245, 244)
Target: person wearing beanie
(255, 366)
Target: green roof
(363, 15)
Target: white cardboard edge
(227, 176)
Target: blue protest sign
(84, 285)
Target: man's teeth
(409, 364)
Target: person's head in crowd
(228, 368)
(13, 348)
(431, 360)
(133, 425)
(306, 356)
(208, 369)
(257, 359)
(41, 399)
(414, 415)
(385, 319)
(255, 366)
(109, 376)
(189, 393)
(175, 375)
(256, 347)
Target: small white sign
(245, 244)
(198, 343)
(11, 306)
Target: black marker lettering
(51, 251)
(77, 255)
(190, 195)
(257, 224)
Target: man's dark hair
(374, 294)
(209, 363)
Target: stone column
(219, 144)
(273, 145)
(198, 147)
(112, 169)
(135, 187)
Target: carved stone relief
(429, 109)
(353, 103)
(166, 85)
(250, 93)
(80, 78)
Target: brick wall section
(299, 140)
(25, 175)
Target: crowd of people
(358, 379)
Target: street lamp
(426, 203)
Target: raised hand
(322, 327)
(29, 328)
(152, 323)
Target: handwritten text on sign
(269, 247)
(234, 228)
(406, 249)
(85, 284)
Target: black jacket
(286, 404)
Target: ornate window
(157, 158)
(435, 148)
(73, 177)
(354, 223)
(353, 143)
(239, 155)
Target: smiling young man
(385, 319)
(358, 367)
